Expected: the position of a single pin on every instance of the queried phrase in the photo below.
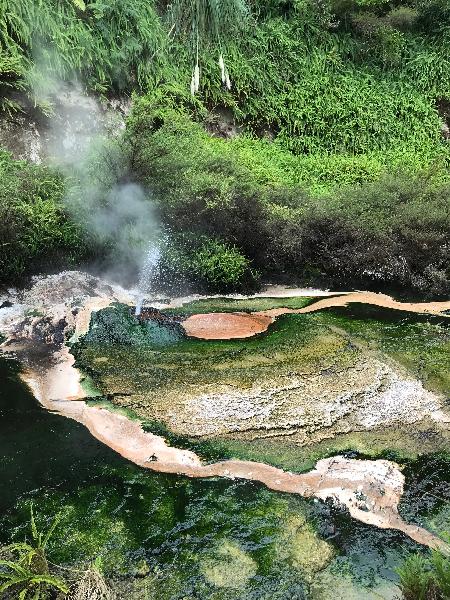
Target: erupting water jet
(147, 275)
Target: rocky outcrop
(74, 121)
(314, 407)
(54, 307)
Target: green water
(168, 537)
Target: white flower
(197, 77)
(222, 67)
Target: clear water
(174, 538)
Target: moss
(229, 305)
(117, 325)
(228, 566)
(301, 547)
(420, 343)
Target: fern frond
(79, 4)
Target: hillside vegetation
(339, 172)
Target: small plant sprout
(24, 571)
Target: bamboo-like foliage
(108, 43)
(105, 43)
(208, 23)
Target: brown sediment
(226, 326)
(370, 489)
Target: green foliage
(207, 263)
(220, 265)
(337, 103)
(403, 18)
(34, 227)
(425, 577)
(434, 15)
(215, 265)
(198, 186)
(108, 44)
(441, 571)
(243, 193)
(210, 20)
(415, 578)
(12, 71)
(25, 573)
(360, 85)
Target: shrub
(108, 44)
(425, 577)
(199, 187)
(25, 573)
(205, 263)
(220, 266)
(403, 18)
(34, 227)
(415, 578)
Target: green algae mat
(301, 391)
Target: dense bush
(34, 228)
(391, 232)
(205, 263)
(336, 76)
(360, 81)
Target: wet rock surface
(364, 396)
(48, 309)
(306, 380)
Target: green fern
(210, 20)
(28, 575)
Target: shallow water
(196, 539)
(178, 538)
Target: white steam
(147, 275)
(83, 141)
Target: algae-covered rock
(229, 567)
(310, 378)
(116, 324)
(301, 547)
